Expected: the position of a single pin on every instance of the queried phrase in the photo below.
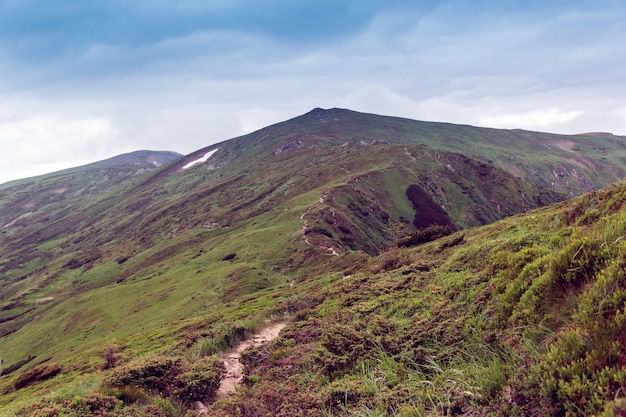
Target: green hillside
(30, 203)
(117, 301)
(572, 164)
(521, 317)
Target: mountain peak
(321, 114)
(325, 115)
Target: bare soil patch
(234, 368)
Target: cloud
(47, 143)
(35, 138)
(534, 119)
(105, 77)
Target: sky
(85, 80)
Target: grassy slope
(142, 267)
(155, 254)
(567, 163)
(29, 204)
(522, 317)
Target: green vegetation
(167, 377)
(523, 317)
(115, 302)
(427, 234)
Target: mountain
(30, 203)
(188, 258)
(567, 163)
(132, 163)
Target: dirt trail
(305, 226)
(234, 368)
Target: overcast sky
(85, 80)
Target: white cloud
(534, 119)
(555, 68)
(99, 53)
(375, 98)
(36, 137)
(257, 118)
(43, 144)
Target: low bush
(427, 234)
(35, 375)
(344, 391)
(155, 373)
(167, 377)
(340, 348)
(110, 356)
(200, 381)
(94, 404)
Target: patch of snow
(201, 160)
(331, 249)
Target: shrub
(200, 381)
(344, 391)
(110, 356)
(341, 346)
(167, 376)
(94, 404)
(39, 409)
(35, 375)
(583, 370)
(427, 234)
(155, 373)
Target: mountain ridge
(580, 163)
(139, 158)
(270, 223)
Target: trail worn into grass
(234, 368)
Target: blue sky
(85, 80)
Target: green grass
(142, 265)
(493, 325)
(490, 329)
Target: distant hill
(140, 160)
(105, 263)
(43, 198)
